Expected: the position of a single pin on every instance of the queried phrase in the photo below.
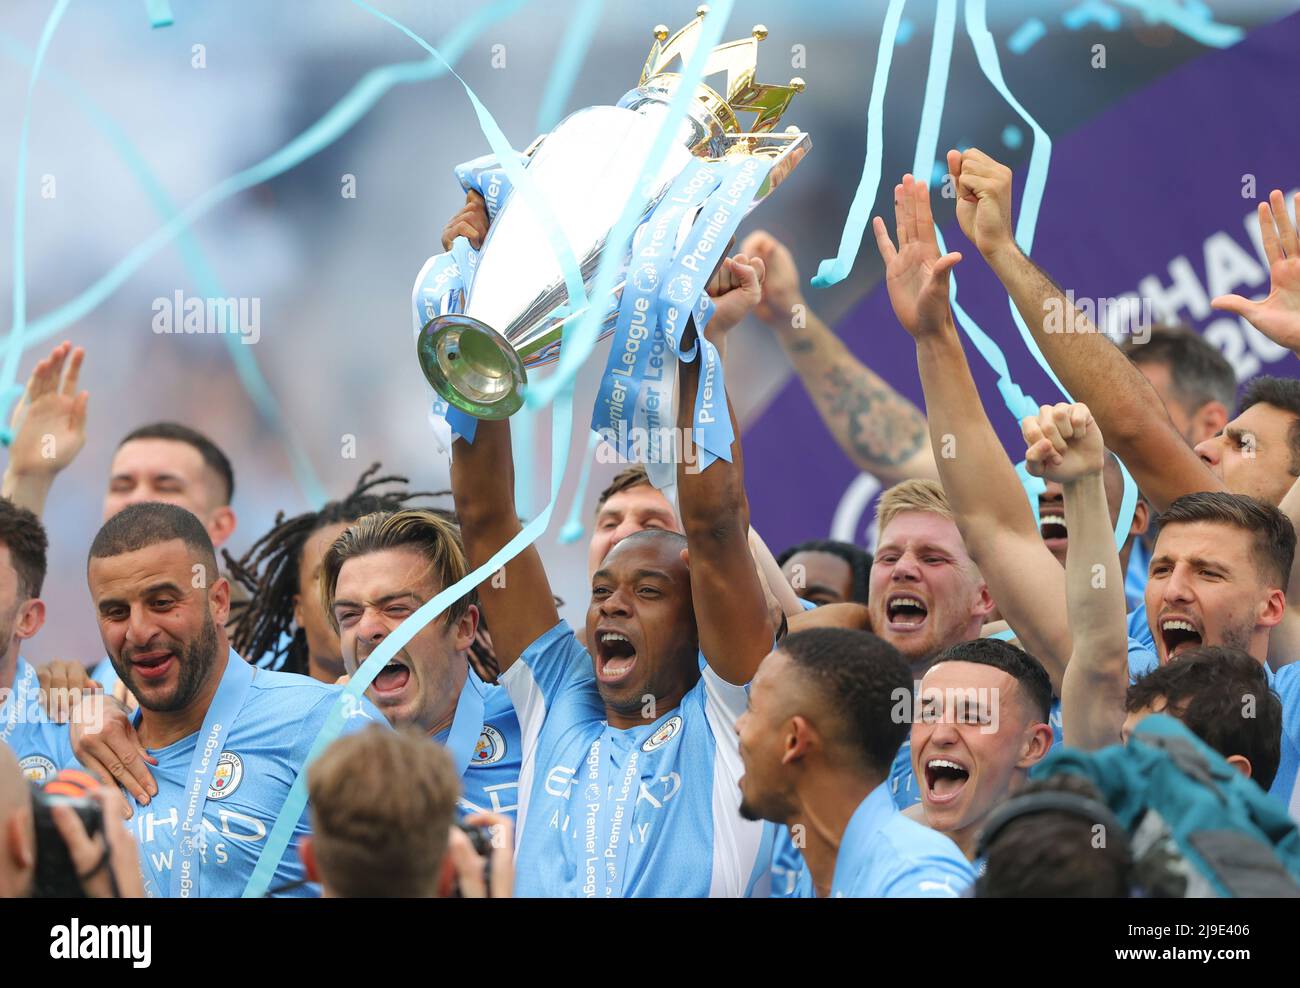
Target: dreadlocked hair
(269, 569)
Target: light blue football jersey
(1287, 684)
(483, 739)
(787, 864)
(885, 855)
(1135, 577)
(41, 746)
(1139, 628)
(648, 811)
(262, 752)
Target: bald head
(17, 833)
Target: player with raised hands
(1064, 444)
(630, 765)
(1096, 372)
(987, 500)
(48, 427)
(1257, 453)
(1277, 316)
(878, 429)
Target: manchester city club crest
(37, 768)
(663, 735)
(491, 747)
(228, 775)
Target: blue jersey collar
(461, 738)
(867, 820)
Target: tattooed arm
(879, 430)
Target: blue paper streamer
(10, 390)
(573, 50)
(282, 830)
(573, 527)
(1027, 35)
(1026, 225)
(835, 269)
(160, 13)
(1031, 200)
(521, 182)
(561, 436)
(578, 345)
(1092, 12)
(1194, 21)
(337, 121)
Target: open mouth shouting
(1051, 525)
(615, 655)
(905, 611)
(1178, 633)
(945, 778)
(392, 679)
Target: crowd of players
(727, 723)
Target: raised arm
(1065, 445)
(49, 428)
(986, 496)
(1278, 318)
(731, 614)
(877, 428)
(732, 307)
(1093, 369)
(1278, 315)
(518, 602)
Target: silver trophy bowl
(516, 311)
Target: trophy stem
(472, 366)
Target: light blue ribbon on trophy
(639, 330)
(486, 176)
(579, 344)
(441, 287)
(683, 296)
(444, 282)
(560, 396)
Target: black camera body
(56, 878)
(481, 840)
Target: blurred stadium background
(334, 274)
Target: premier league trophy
(514, 315)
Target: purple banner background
(1147, 199)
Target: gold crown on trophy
(739, 59)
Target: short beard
(196, 663)
(628, 703)
(1238, 637)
